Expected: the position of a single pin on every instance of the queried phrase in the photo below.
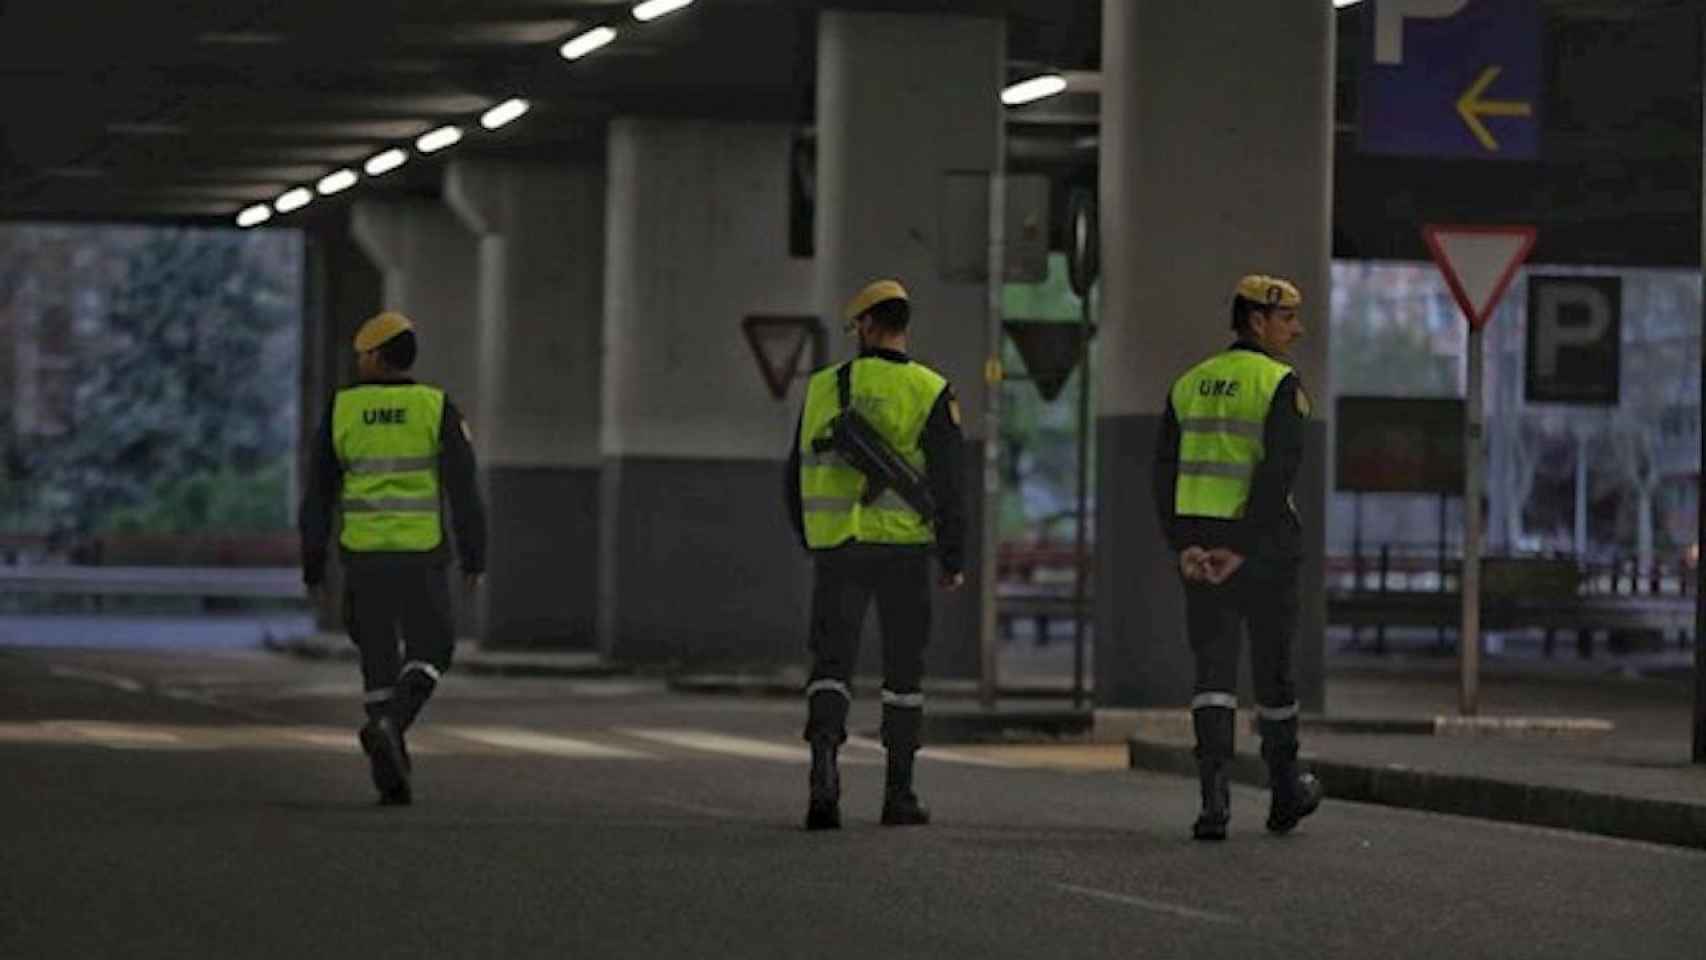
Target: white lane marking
(700, 809)
(1157, 906)
(112, 680)
(946, 756)
(720, 743)
(119, 736)
(512, 738)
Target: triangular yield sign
(1050, 351)
(1478, 263)
(777, 344)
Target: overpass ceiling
(189, 109)
(186, 110)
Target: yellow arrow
(1472, 108)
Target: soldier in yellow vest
(1228, 453)
(390, 453)
(867, 547)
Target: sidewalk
(1599, 752)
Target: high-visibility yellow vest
(386, 438)
(897, 399)
(1222, 405)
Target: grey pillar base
(1143, 657)
(542, 570)
(699, 565)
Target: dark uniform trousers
(847, 578)
(1262, 597)
(382, 600)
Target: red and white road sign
(1478, 263)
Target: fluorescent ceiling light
(435, 140)
(587, 42)
(383, 163)
(653, 9)
(503, 113)
(335, 182)
(254, 216)
(293, 200)
(1341, 4)
(1034, 89)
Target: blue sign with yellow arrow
(1452, 78)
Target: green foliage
(223, 500)
(183, 410)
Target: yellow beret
(1270, 291)
(872, 295)
(381, 328)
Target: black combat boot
(1294, 794)
(383, 745)
(900, 805)
(823, 810)
(1216, 801)
(1214, 729)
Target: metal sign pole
(988, 623)
(1469, 581)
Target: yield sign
(778, 343)
(1478, 263)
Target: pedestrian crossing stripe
(528, 741)
(617, 744)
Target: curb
(1117, 724)
(1630, 818)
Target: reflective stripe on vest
(897, 399)
(387, 440)
(1222, 406)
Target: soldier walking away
(389, 452)
(1227, 455)
(873, 486)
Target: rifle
(853, 438)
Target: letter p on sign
(1575, 334)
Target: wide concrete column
(1216, 161)
(430, 268)
(698, 562)
(540, 307)
(909, 130)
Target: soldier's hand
(1193, 563)
(472, 581)
(1222, 563)
(951, 581)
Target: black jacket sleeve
(1270, 524)
(459, 472)
(944, 466)
(1165, 479)
(319, 503)
(791, 500)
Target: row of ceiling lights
(437, 139)
(1025, 91)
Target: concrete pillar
(430, 269)
(1216, 160)
(341, 288)
(698, 562)
(540, 307)
(909, 129)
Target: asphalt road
(212, 803)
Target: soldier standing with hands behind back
(1228, 453)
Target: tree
(188, 374)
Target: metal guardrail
(262, 582)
